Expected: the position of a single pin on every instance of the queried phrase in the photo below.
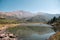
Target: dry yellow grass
(56, 36)
(4, 26)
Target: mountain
(42, 17)
(16, 14)
(49, 16)
(28, 16)
(38, 18)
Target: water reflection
(44, 34)
(36, 36)
(34, 31)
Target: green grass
(7, 21)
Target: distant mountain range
(28, 16)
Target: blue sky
(47, 6)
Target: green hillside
(7, 21)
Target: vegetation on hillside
(7, 21)
(54, 19)
(55, 22)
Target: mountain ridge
(25, 15)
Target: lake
(44, 33)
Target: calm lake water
(45, 32)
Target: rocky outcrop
(8, 36)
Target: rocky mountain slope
(28, 16)
(38, 18)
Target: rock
(8, 36)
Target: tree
(52, 20)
